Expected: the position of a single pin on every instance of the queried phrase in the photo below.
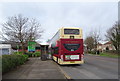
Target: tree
(89, 41)
(96, 37)
(113, 35)
(93, 40)
(21, 29)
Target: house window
(5, 51)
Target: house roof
(104, 43)
(109, 42)
(44, 43)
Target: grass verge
(109, 55)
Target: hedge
(30, 54)
(11, 61)
(35, 54)
(20, 52)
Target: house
(5, 49)
(100, 47)
(105, 46)
(108, 46)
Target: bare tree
(113, 35)
(89, 41)
(21, 29)
(93, 40)
(96, 36)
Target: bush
(26, 57)
(30, 54)
(20, 52)
(91, 52)
(11, 61)
(36, 54)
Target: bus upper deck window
(72, 31)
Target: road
(95, 67)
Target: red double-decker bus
(67, 46)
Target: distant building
(37, 47)
(100, 47)
(105, 46)
(15, 46)
(108, 46)
(5, 49)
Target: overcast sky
(53, 15)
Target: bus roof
(71, 27)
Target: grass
(109, 55)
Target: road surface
(95, 67)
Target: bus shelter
(44, 51)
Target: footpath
(36, 69)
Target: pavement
(36, 69)
(95, 67)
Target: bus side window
(52, 50)
(56, 50)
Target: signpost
(31, 46)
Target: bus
(67, 46)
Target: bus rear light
(82, 57)
(67, 57)
(61, 57)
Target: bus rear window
(72, 47)
(71, 31)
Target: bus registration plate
(72, 61)
(72, 57)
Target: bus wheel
(57, 60)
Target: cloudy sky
(90, 16)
